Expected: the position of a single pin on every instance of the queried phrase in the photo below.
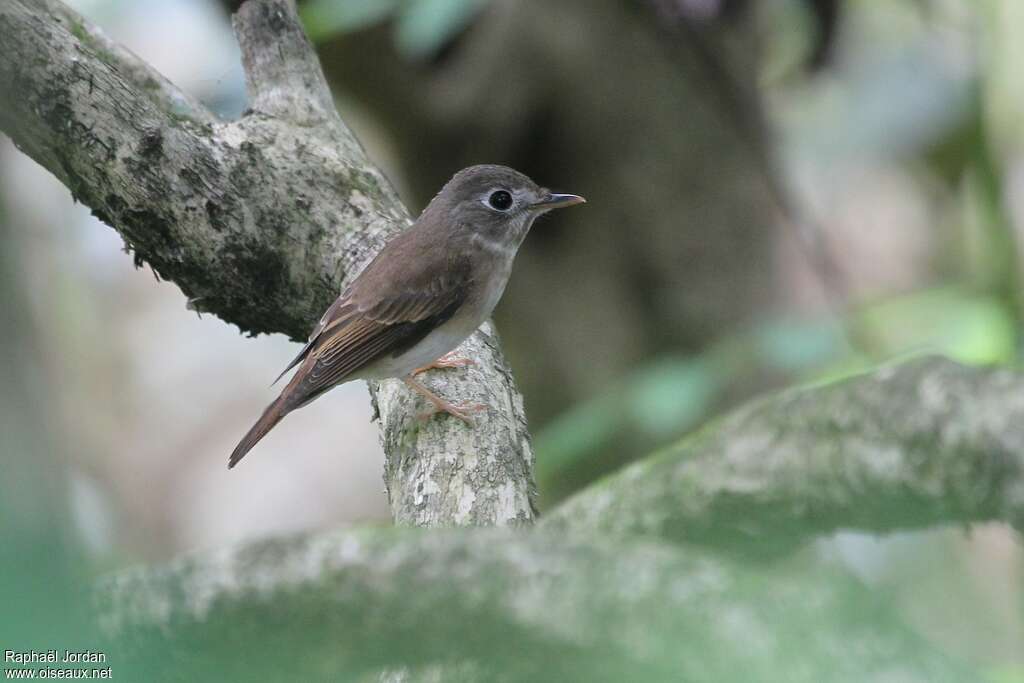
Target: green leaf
(1007, 674)
(582, 430)
(970, 329)
(794, 345)
(324, 18)
(425, 25)
(671, 396)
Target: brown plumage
(427, 290)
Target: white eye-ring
(500, 200)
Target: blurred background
(779, 192)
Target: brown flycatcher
(426, 291)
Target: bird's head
(493, 206)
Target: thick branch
(259, 221)
(165, 94)
(503, 606)
(922, 443)
(483, 476)
(65, 102)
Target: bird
(427, 290)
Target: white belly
(442, 340)
(433, 346)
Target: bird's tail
(271, 416)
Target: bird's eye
(500, 200)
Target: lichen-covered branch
(259, 221)
(925, 442)
(499, 605)
(141, 75)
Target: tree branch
(282, 72)
(922, 443)
(260, 221)
(496, 605)
(164, 94)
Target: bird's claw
(445, 362)
(463, 411)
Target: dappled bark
(590, 596)
(259, 221)
(924, 443)
(496, 605)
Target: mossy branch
(500, 605)
(922, 443)
(260, 221)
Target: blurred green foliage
(1010, 674)
(45, 583)
(421, 27)
(916, 87)
(667, 397)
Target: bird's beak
(557, 201)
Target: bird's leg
(448, 360)
(462, 411)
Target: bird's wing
(329, 315)
(377, 316)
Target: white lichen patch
(465, 506)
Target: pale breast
(440, 341)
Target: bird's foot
(463, 411)
(445, 362)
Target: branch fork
(263, 220)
